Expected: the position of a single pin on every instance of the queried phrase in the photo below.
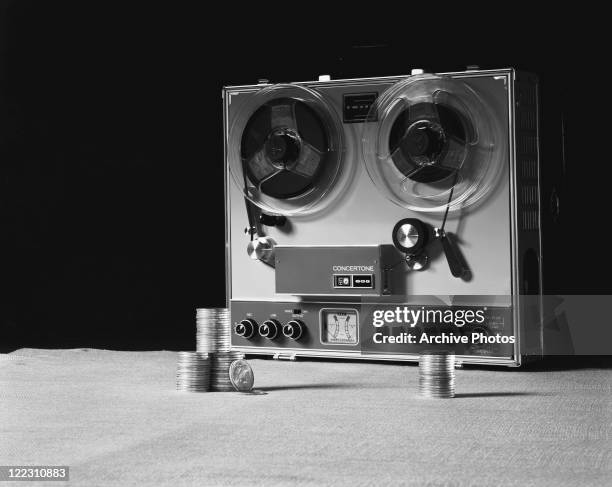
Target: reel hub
(283, 147)
(423, 142)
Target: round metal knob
(262, 249)
(417, 262)
(410, 235)
(269, 329)
(293, 329)
(246, 328)
(407, 235)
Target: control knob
(293, 329)
(269, 329)
(246, 328)
(410, 236)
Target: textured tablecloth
(116, 419)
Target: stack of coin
(220, 367)
(213, 330)
(193, 372)
(437, 374)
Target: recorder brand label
(353, 268)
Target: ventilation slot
(526, 120)
(529, 195)
(530, 220)
(527, 155)
(525, 95)
(529, 168)
(527, 144)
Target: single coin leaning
(241, 376)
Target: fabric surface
(116, 419)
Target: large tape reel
(434, 133)
(286, 150)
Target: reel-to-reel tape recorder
(371, 218)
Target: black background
(111, 197)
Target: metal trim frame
(516, 318)
(539, 187)
(226, 194)
(356, 355)
(369, 81)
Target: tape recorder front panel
(417, 191)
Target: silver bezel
(343, 309)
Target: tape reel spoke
(268, 178)
(425, 108)
(308, 162)
(455, 153)
(260, 166)
(282, 116)
(409, 169)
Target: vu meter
(339, 326)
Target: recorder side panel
(528, 214)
